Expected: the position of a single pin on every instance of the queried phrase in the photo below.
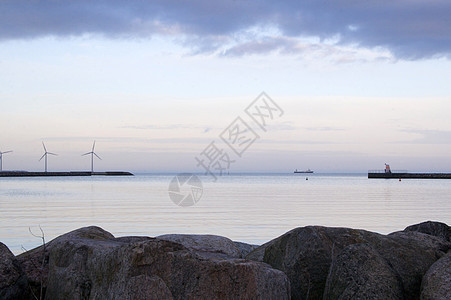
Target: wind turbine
(1, 159)
(45, 155)
(92, 156)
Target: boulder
(440, 230)
(360, 272)
(205, 243)
(35, 262)
(13, 281)
(83, 264)
(258, 254)
(305, 255)
(35, 265)
(411, 254)
(244, 248)
(437, 281)
(144, 287)
(189, 276)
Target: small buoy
(306, 178)
(399, 179)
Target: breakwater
(409, 175)
(62, 174)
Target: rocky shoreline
(312, 262)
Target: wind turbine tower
(92, 153)
(45, 155)
(1, 159)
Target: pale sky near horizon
(154, 83)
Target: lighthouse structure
(387, 168)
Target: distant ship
(303, 171)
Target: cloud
(410, 29)
(202, 128)
(168, 126)
(298, 142)
(429, 136)
(281, 126)
(302, 47)
(123, 139)
(324, 129)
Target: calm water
(250, 208)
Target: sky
(154, 83)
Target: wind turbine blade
(52, 153)
(93, 145)
(43, 156)
(86, 154)
(97, 156)
(6, 152)
(44, 147)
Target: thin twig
(42, 237)
(32, 292)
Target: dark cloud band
(410, 29)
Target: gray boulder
(244, 248)
(360, 272)
(258, 254)
(13, 281)
(86, 265)
(411, 254)
(305, 255)
(212, 244)
(436, 283)
(440, 230)
(35, 262)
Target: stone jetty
(62, 174)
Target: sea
(252, 208)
